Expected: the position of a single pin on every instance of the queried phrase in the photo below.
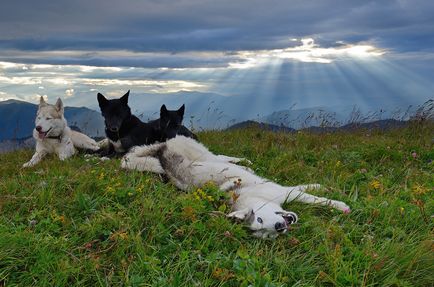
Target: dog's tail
(82, 141)
(162, 156)
(175, 167)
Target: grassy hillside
(88, 223)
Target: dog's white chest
(117, 146)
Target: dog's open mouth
(290, 218)
(42, 134)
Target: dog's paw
(126, 163)
(265, 234)
(239, 160)
(341, 206)
(315, 186)
(95, 148)
(28, 164)
(62, 157)
(246, 161)
(103, 143)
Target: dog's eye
(259, 220)
(48, 119)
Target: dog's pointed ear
(163, 110)
(124, 98)
(102, 101)
(243, 214)
(42, 102)
(59, 105)
(181, 110)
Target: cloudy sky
(256, 56)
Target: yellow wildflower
(61, 218)
(200, 194)
(419, 189)
(189, 213)
(109, 189)
(375, 184)
(119, 235)
(140, 188)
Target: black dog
(124, 130)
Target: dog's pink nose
(38, 128)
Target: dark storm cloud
(193, 25)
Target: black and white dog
(258, 202)
(124, 130)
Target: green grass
(89, 223)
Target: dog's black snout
(38, 128)
(280, 226)
(114, 129)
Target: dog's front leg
(37, 157)
(151, 164)
(67, 151)
(298, 193)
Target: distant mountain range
(203, 110)
(337, 116)
(379, 125)
(262, 126)
(18, 117)
(215, 111)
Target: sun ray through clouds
(258, 82)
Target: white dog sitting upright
(189, 164)
(53, 135)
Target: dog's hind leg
(67, 150)
(179, 184)
(146, 163)
(298, 193)
(142, 158)
(145, 150)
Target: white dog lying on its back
(53, 135)
(189, 164)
